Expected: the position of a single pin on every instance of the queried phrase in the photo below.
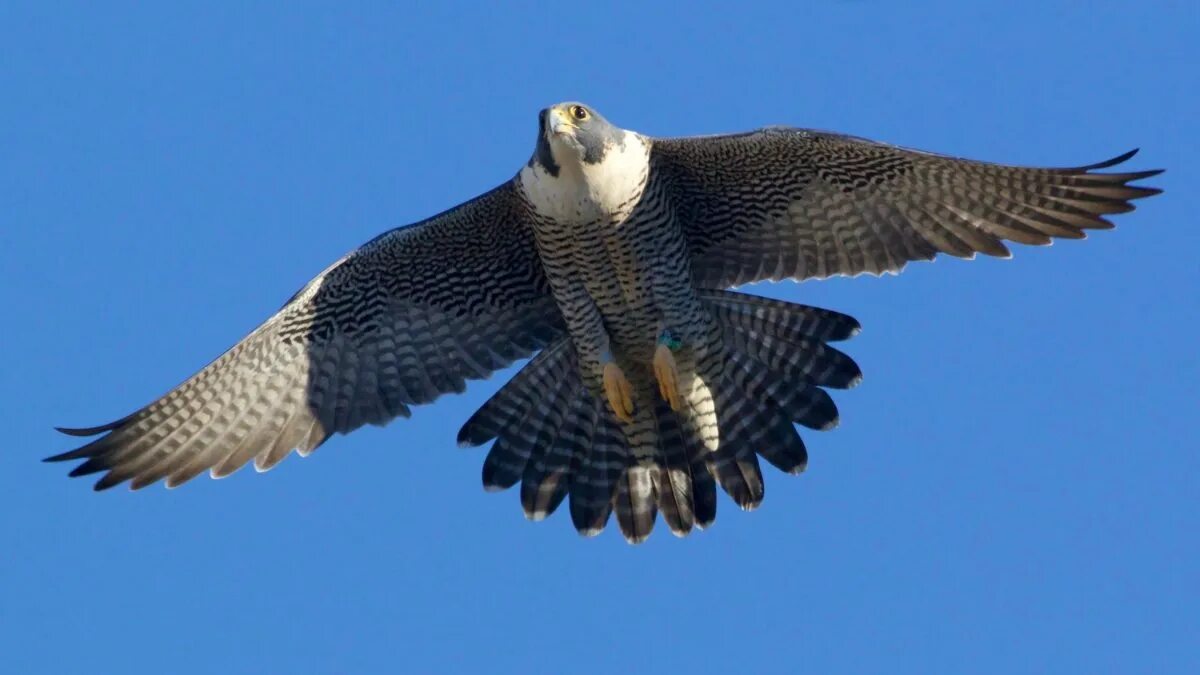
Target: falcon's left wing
(398, 322)
(792, 203)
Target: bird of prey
(608, 258)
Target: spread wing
(403, 319)
(792, 203)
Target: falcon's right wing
(793, 203)
(398, 322)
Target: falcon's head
(573, 133)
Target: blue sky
(1013, 487)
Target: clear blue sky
(1013, 488)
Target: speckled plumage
(605, 242)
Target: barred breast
(619, 254)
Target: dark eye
(579, 112)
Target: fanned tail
(767, 371)
(769, 376)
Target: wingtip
(86, 469)
(78, 453)
(81, 431)
(107, 482)
(1142, 193)
(1128, 155)
(93, 430)
(1123, 157)
(1120, 159)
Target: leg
(617, 388)
(600, 370)
(585, 324)
(665, 369)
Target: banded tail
(561, 441)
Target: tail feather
(672, 476)
(635, 503)
(779, 443)
(701, 431)
(734, 464)
(743, 390)
(704, 493)
(537, 429)
(594, 482)
(801, 359)
(546, 478)
(518, 395)
(782, 446)
(767, 405)
(784, 320)
(802, 402)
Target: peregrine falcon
(608, 258)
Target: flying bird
(608, 258)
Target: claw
(667, 374)
(619, 391)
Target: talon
(667, 374)
(619, 391)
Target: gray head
(573, 132)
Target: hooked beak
(558, 123)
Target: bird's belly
(633, 329)
(624, 278)
(623, 268)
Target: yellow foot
(668, 376)
(619, 391)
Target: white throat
(583, 192)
